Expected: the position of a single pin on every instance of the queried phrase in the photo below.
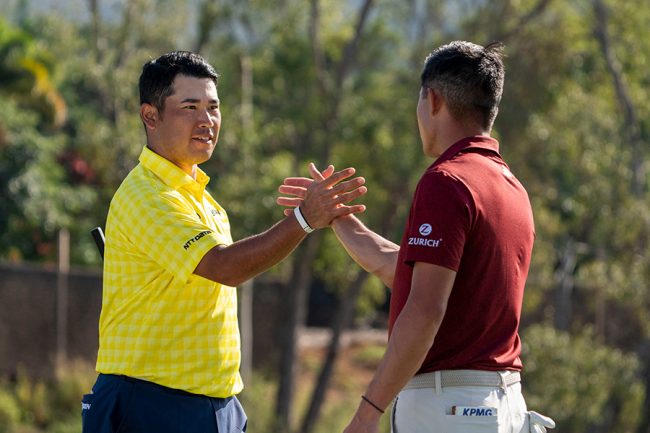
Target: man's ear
(149, 115)
(435, 101)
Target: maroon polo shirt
(470, 214)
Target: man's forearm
(412, 336)
(371, 251)
(322, 202)
(411, 339)
(244, 259)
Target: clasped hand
(324, 197)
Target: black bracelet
(305, 218)
(364, 398)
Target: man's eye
(214, 107)
(190, 107)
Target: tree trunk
(207, 16)
(96, 32)
(352, 47)
(644, 356)
(504, 35)
(632, 129)
(343, 319)
(341, 322)
(564, 288)
(246, 330)
(131, 9)
(62, 298)
(295, 310)
(301, 280)
(246, 289)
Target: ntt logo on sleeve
(425, 230)
(196, 238)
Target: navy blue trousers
(120, 404)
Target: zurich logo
(425, 229)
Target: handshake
(323, 198)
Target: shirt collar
(171, 174)
(474, 142)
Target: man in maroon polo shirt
(457, 278)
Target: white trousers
(429, 410)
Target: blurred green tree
(570, 377)
(334, 81)
(37, 198)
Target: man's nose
(206, 119)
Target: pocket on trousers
(86, 404)
(393, 429)
(472, 424)
(104, 410)
(231, 418)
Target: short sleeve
(165, 227)
(439, 222)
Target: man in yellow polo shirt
(169, 350)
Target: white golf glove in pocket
(538, 422)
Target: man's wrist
(371, 403)
(342, 220)
(302, 220)
(367, 413)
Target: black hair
(158, 75)
(470, 79)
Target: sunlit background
(329, 81)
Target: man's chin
(204, 155)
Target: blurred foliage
(53, 406)
(582, 383)
(69, 133)
(369, 356)
(348, 382)
(25, 74)
(37, 199)
(9, 411)
(38, 405)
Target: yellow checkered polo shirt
(159, 321)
